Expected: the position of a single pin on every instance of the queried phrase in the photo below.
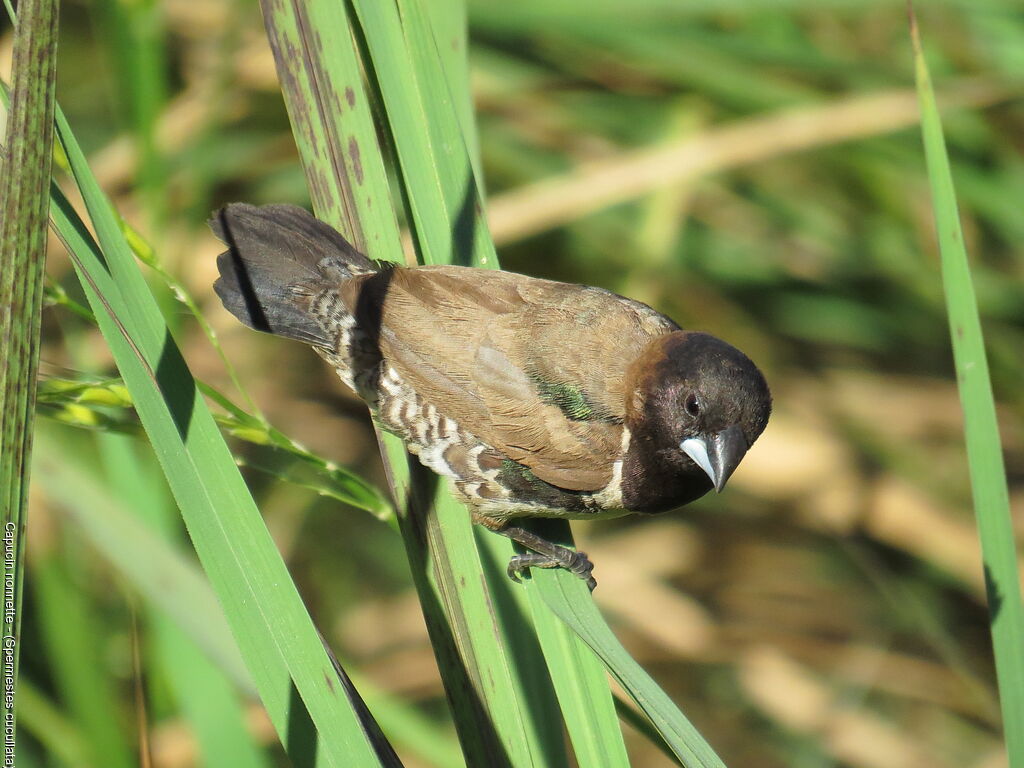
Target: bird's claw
(575, 562)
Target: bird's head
(697, 402)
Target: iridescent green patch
(572, 401)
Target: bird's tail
(279, 258)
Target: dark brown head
(697, 405)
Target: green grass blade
(567, 597)
(62, 738)
(202, 689)
(75, 640)
(274, 633)
(89, 402)
(135, 41)
(162, 575)
(436, 169)
(501, 717)
(312, 471)
(579, 679)
(208, 702)
(435, 37)
(332, 123)
(984, 450)
(145, 253)
(583, 694)
(24, 184)
(630, 715)
(329, 110)
(172, 585)
(450, 23)
(438, 180)
(317, 87)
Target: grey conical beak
(718, 455)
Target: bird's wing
(532, 367)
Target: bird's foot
(574, 562)
(546, 554)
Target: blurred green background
(752, 169)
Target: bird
(536, 398)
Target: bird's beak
(718, 455)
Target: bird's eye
(692, 405)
